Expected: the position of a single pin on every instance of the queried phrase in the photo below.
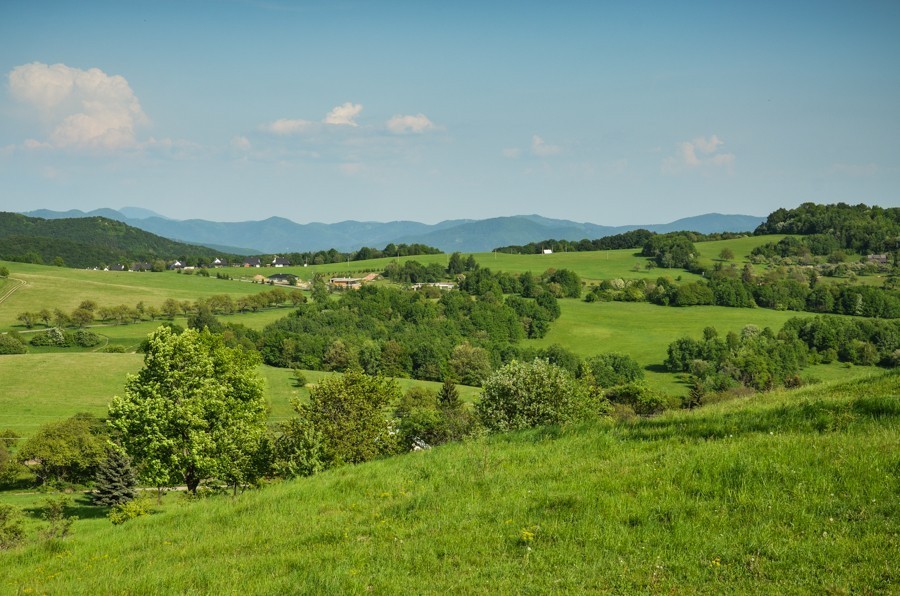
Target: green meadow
(57, 287)
(781, 493)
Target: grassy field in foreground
(790, 492)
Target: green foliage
(12, 531)
(348, 413)
(759, 360)
(298, 449)
(392, 332)
(470, 365)
(55, 337)
(129, 510)
(54, 513)
(860, 228)
(10, 344)
(427, 418)
(568, 280)
(644, 400)
(523, 395)
(9, 466)
(610, 369)
(114, 482)
(195, 411)
(864, 342)
(300, 379)
(65, 451)
(673, 250)
(4, 271)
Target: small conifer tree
(115, 480)
(448, 396)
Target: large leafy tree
(195, 411)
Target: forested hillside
(859, 228)
(87, 242)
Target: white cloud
(540, 148)
(403, 124)
(697, 153)
(512, 153)
(344, 115)
(286, 126)
(83, 108)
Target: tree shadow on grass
(79, 506)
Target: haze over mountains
(277, 234)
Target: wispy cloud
(81, 108)
(538, 148)
(286, 126)
(697, 153)
(541, 148)
(409, 124)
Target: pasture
(57, 287)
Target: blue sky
(608, 112)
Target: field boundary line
(19, 283)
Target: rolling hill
(87, 242)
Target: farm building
(345, 282)
(252, 262)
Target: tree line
(779, 289)
(762, 359)
(859, 228)
(631, 239)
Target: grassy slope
(792, 492)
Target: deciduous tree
(193, 410)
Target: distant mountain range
(278, 235)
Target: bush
(297, 450)
(9, 344)
(11, 531)
(522, 395)
(85, 338)
(614, 369)
(643, 400)
(55, 337)
(123, 512)
(114, 349)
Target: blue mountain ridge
(280, 235)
